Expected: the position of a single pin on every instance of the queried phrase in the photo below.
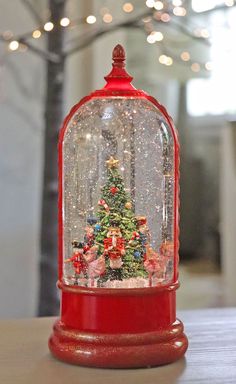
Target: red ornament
(88, 332)
(114, 190)
(135, 235)
(103, 204)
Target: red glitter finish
(118, 328)
(130, 350)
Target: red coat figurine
(114, 247)
(77, 258)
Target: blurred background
(52, 53)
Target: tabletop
(211, 357)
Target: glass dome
(119, 186)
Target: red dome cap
(118, 78)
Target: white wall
(21, 113)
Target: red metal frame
(93, 312)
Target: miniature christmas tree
(116, 229)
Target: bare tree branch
(44, 54)
(33, 11)
(87, 39)
(95, 34)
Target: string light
(158, 5)
(165, 17)
(158, 36)
(48, 26)
(162, 59)
(201, 33)
(157, 15)
(177, 3)
(179, 11)
(128, 7)
(166, 60)
(147, 19)
(185, 56)
(107, 18)
(13, 45)
(91, 19)
(195, 67)
(65, 21)
(229, 3)
(150, 3)
(169, 61)
(151, 39)
(36, 34)
(205, 33)
(155, 36)
(209, 66)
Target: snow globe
(118, 230)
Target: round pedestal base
(131, 350)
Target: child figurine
(96, 268)
(144, 233)
(153, 264)
(167, 254)
(89, 236)
(77, 259)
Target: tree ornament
(97, 227)
(114, 190)
(112, 163)
(91, 220)
(103, 204)
(137, 254)
(128, 205)
(135, 235)
(118, 272)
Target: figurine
(114, 246)
(77, 259)
(144, 233)
(89, 236)
(167, 254)
(152, 264)
(91, 254)
(96, 268)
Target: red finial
(118, 55)
(118, 78)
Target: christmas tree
(116, 231)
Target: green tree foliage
(115, 210)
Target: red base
(118, 328)
(118, 351)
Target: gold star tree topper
(112, 163)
